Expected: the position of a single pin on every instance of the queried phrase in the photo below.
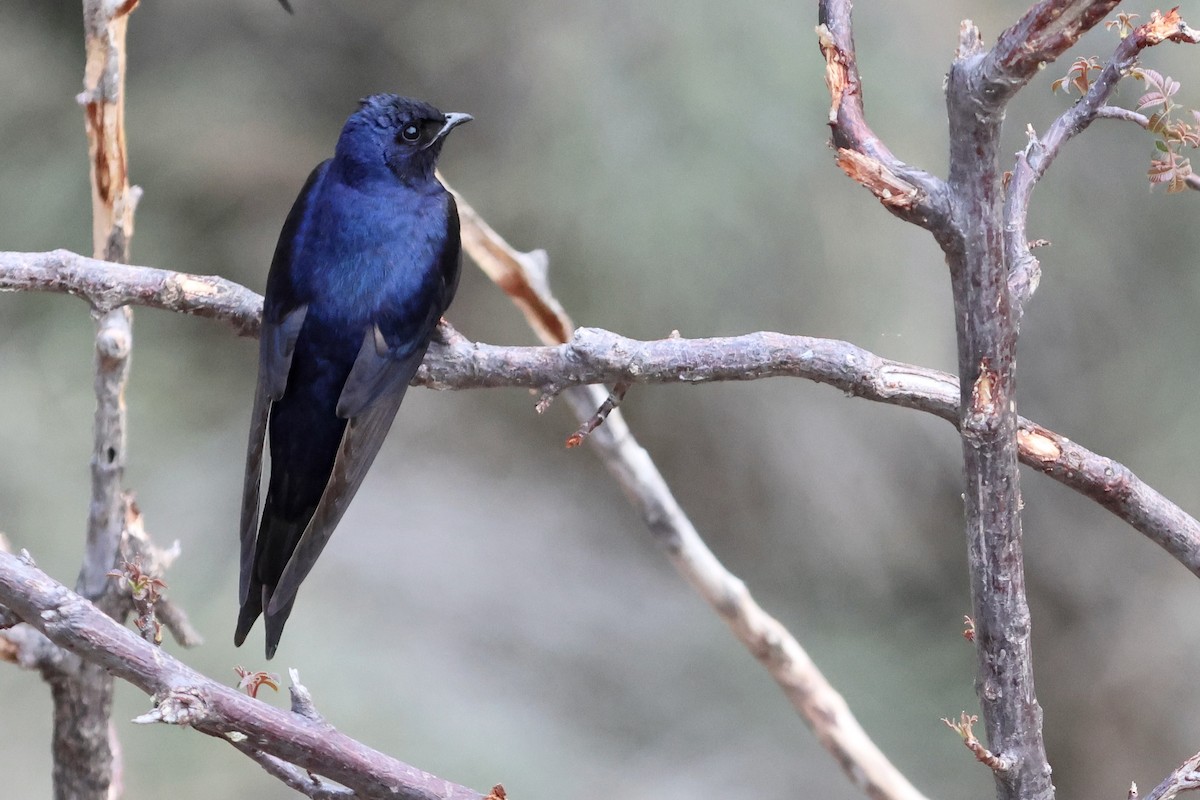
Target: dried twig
(964, 727)
(1142, 121)
(137, 547)
(292, 776)
(596, 420)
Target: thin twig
(964, 727)
(596, 420)
(292, 776)
(1035, 159)
(1142, 121)
(138, 547)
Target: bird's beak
(452, 121)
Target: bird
(367, 262)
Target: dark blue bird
(367, 262)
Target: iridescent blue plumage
(367, 262)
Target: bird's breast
(379, 250)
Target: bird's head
(396, 135)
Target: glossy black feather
(367, 262)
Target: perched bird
(367, 262)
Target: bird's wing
(361, 441)
(274, 361)
(391, 353)
(283, 316)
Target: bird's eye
(411, 133)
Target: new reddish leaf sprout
(250, 681)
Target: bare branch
(1035, 159)
(1185, 778)
(83, 755)
(819, 704)
(113, 203)
(292, 776)
(522, 276)
(1045, 32)
(821, 707)
(106, 286)
(909, 193)
(598, 356)
(185, 697)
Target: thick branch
(83, 753)
(597, 356)
(987, 344)
(106, 286)
(1045, 32)
(185, 697)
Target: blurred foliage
(490, 608)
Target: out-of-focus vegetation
(490, 609)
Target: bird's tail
(251, 609)
(276, 541)
(260, 598)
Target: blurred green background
(491, 610)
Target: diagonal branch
(1035, 159)
(524, 277)
(1184, 778)
(1045, 32)
(911, 194)
(185, 697)
(813, 697)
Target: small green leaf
(1162, 146)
